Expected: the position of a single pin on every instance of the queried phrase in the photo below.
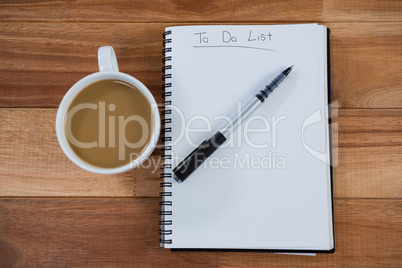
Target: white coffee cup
(108, 69)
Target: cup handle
(107, 59)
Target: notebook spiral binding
(165, 194)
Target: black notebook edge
(331, 167)
(295, 251)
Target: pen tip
(287, 70)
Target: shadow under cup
(109, 124)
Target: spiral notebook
(269, 187)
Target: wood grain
(362, 57)
(374, 170)
(368, 128)
(124, 232)
(41, 61)
(371, 10)
(32, 163)
(203, 11)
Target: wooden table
(54, 214)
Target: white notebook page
(266, 187)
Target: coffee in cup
(108, 122)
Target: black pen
(207, 147)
